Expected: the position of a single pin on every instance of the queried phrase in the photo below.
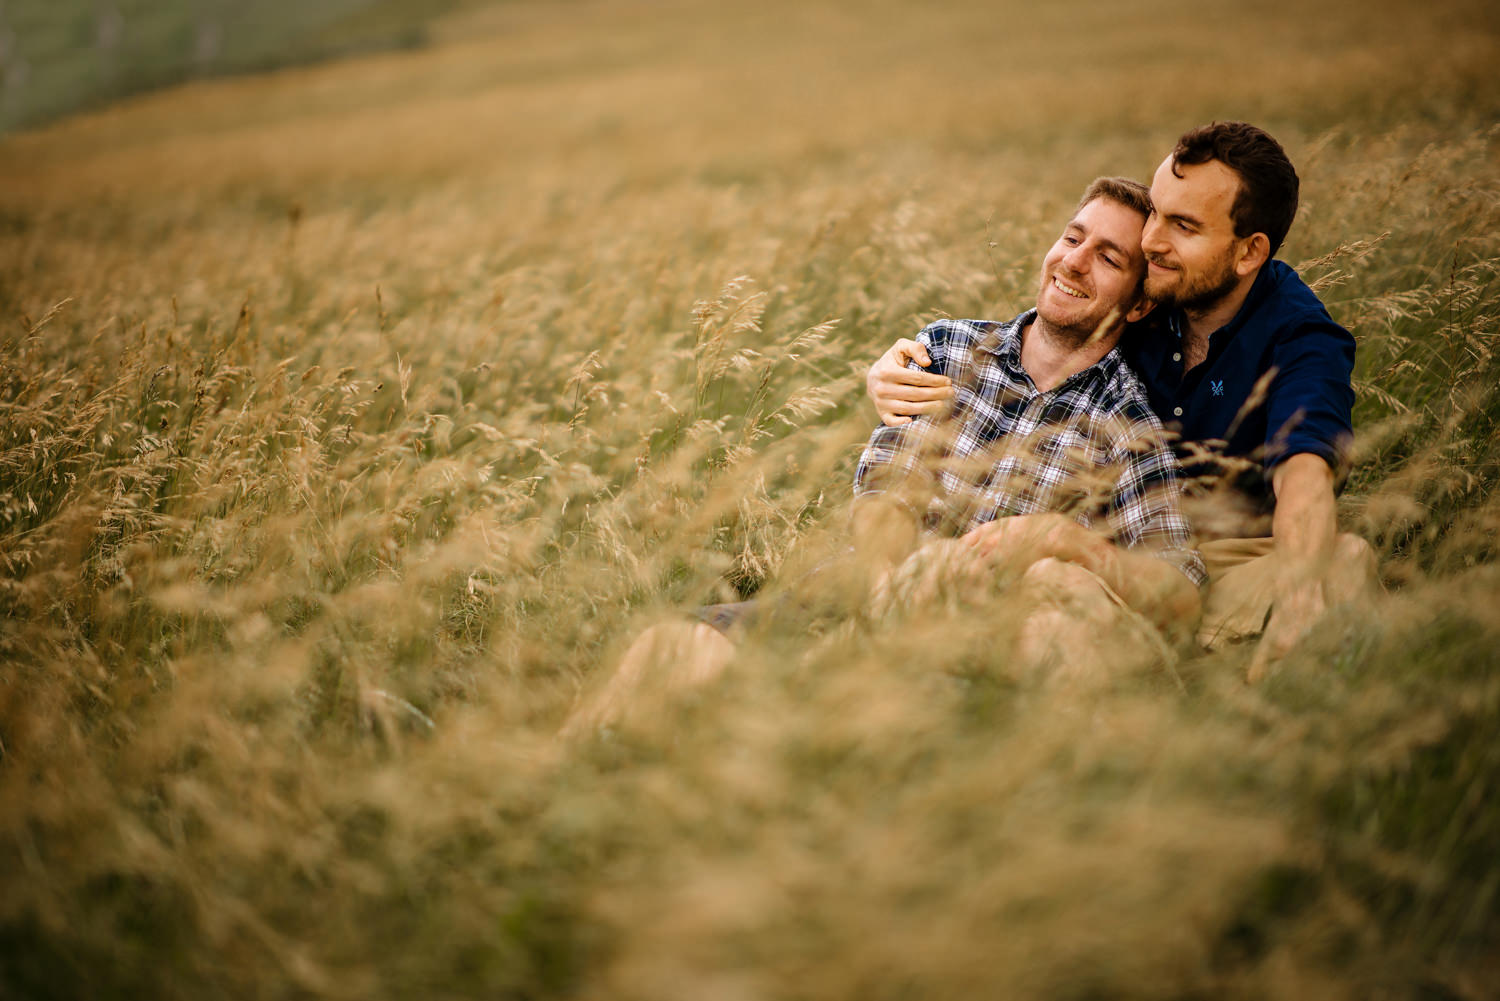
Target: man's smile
(1067, 289)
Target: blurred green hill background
(58, 56)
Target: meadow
(356, 417)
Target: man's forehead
(1202, 188)
(1111, 221)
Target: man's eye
(1112, 262)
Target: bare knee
(664, 660)
(1354, 553)
(681, 653)
(1050, 572)
(1354, 570)
(1063, 583)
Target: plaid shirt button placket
(1007, 449)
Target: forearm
(1305, 523)
(1305, 531)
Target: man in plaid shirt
(1050, 461)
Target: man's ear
(1142, 307)
(1254, 251)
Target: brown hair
(1267, 199)
(1131, 194)
(1122, 191)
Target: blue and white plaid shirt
(1090, 448)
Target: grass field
(356, 416)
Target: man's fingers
(895, 413)
(905, 349)
(899, 392)
(893, 400)
(1268, 653)
(911, 392)
(984, 540)
(915, 377)
(908, 408)
(894, 372)
(1283, 631)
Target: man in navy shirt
(1249, 368)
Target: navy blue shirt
(1281, 327)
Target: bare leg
(665, 660)
(942, 571)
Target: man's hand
(900, 393)
(1030, 537)
(1298, 606)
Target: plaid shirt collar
(1004, 344)
(1004, 340)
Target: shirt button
(1176, 411)
(1177, 356)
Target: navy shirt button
(1177, 411)
(1177, 356)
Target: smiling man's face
(1189, 241)
(1094, 268)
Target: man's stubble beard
(1072, 336)
(1202, 294)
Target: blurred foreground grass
(356, 416)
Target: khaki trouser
(1241, 582)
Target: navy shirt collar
(1266, 280)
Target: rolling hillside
(356, 416)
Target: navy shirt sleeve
(1310, 402)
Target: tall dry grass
(355, 418)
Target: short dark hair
(1267, 199)
(1131, 194)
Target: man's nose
(1151, 241)
(1076, 259)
